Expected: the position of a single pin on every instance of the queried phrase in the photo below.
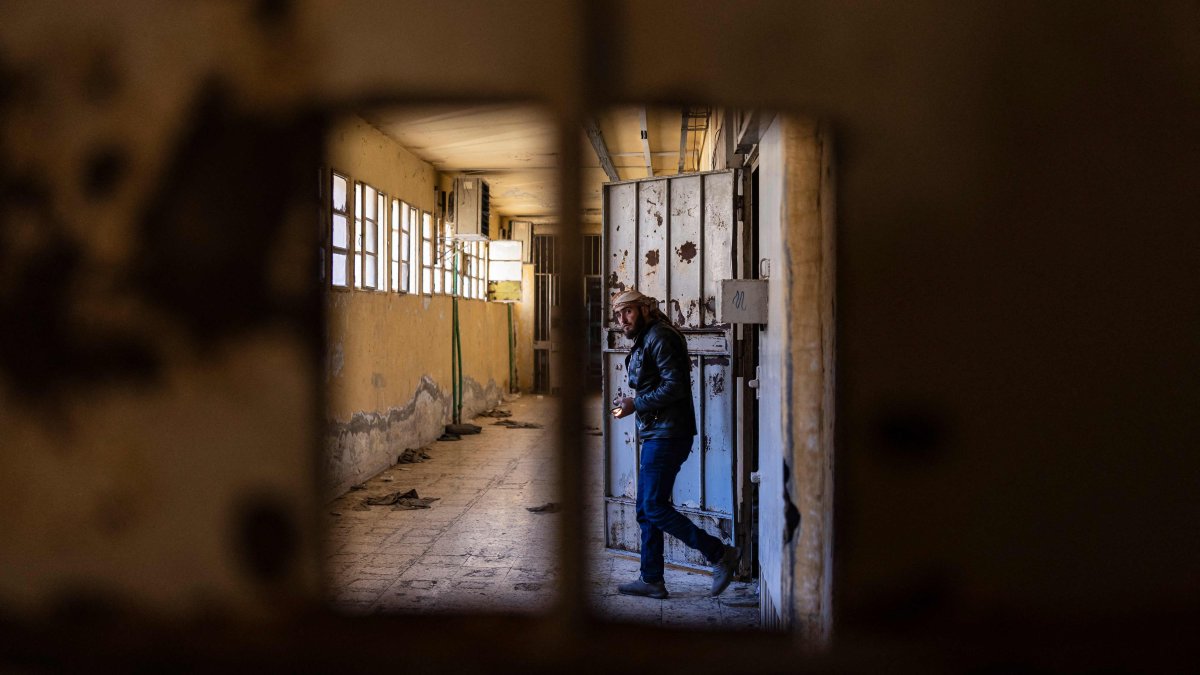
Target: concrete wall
(388, 367)
(809, 269)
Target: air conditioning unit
(472, 208)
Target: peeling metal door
(672, 238)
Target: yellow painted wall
(388, 372)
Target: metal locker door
(672, 238)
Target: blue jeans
(661, 459)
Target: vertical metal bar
(571, 607)
(700, 362)
(666, 265)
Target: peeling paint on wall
(370, 441)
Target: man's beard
(639, 322)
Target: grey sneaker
(656, 590)
(724, 568)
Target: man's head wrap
(632, 298)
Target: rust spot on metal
(686, 252)
(716, 383)
(614, 283)
(652, 258)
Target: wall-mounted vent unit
(472, 208)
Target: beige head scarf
(635, 298)
(632, 298)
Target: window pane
(370, 202)
(339, 193)
(382, 238)
(370, 269)
(404, 246)
(395, 276)
(358, 200)
(425, 281)
(505, 250)
(427, 224)
(437, 282)
(358, 270)
(426, 252)
(505, 270)
(339, 231)
(339, 269)
(369, 246)
(449, 276)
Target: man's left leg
(660, 512)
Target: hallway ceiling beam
(592, 127)
(683, 129)
(646, 141)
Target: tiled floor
(479, 549)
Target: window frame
(362, 226)
(333, 250)
(428, 251)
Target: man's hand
(623, 407)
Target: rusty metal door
(673, 239)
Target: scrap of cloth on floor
(401, 500)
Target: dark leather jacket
(660, 375)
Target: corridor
(478, 549)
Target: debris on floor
(741, 595)
(414, 455)
(463, 429)
(548, 507)
(496, 412)
(400, 501)
(450, 437)
(360, 486)
(513, 424)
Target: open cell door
(674, 239)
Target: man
(660, 374)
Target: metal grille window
(369, 204)
(339, 242)
(472, 278)
(591, 255)
(399, 248)
(545, 271)
(447, 235)
(427, 240)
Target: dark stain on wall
(103, 170)
(615, 285)
(42, 267)
(266, 538)
(207, 233)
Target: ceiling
(514, 147)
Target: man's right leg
(652, 536)
(650, 581)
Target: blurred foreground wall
(1016, 287)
